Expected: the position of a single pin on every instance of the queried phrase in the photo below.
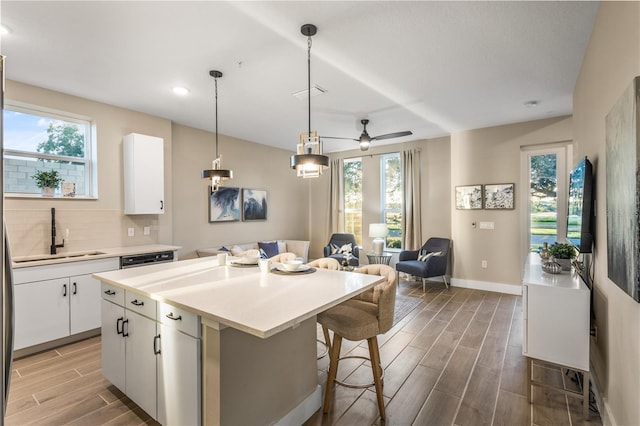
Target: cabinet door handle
(64, 290)
(125, 333)
(173, 317)
(137, 302)
(156, 345)
(161, 205)
(120, 326)
(110, 292)
(75, 288)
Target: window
(391, 198)
(46, 140)
(547, 182)
(353, 197)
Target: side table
(382, 259)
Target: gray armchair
(338, 240)
(433, 266)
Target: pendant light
(309, 161)
(217, 174)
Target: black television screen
(580, 213)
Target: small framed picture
(68, 189)
(499, 196)
(224, 205)
(469, 197)
(254, 204)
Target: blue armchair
(430, 261)
(336, 242)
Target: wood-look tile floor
(454, 360)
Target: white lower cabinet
(56, 301)
(153, 361)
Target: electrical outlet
(131, 232)
(146, 230)
(484, 264)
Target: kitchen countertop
(78, 256)
(261, 304)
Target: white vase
(564, 263)
(48, 192)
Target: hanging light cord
(216, 86)
(309, 79)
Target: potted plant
(562, 253)
(48, 181)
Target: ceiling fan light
(364, 145)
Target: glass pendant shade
(217, 174)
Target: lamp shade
(378, 230)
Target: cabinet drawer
(184, 321)
(140, 304)
(112, 293)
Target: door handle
(173, 317)
(161, 205)
(125, 333)
(75, 288)
(64, 290)
(110, 292)
(156, 346)
(137, 302)
(119, 325)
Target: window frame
(383, 192)
(347, 210)
(90, 147)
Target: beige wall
(98, 223)
(254, 166)
(611, 62)
(492, 155)
(435, 184)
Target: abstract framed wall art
(469, 197)
(499, 196)
(254, 204)
(623, 191)
(224, 205)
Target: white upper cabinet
(143, 174)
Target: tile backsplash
(29, 231)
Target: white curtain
(412, 214)
(336, 198)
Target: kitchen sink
(41, 258)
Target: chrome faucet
(54, 246)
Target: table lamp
(378, 231)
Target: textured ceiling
(429, 67)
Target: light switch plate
(146, 230)
(131, 232)
(486, 225)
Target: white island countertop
(261, 304)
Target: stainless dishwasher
(135, 260)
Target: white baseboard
(487, 286)
(304, 410)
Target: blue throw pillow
(223, 248)
(270, 249)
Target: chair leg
(376, 366)
(327, 338)
(446, 284)
(334, 356)
(424, 285)
(397, 281)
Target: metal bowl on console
(552, 267)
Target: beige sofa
(300, 248)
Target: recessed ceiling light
(182, 91)
(531, 104)
(4, 30)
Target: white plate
(246, 261)
(301, 268)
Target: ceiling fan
(365, 140)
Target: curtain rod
(376, 155)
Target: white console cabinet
(143, 174)
(556, 309)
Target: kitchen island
(258, 332)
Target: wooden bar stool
(363, 317)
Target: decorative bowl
(248, 260)
(552, 267)
(292, 265)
